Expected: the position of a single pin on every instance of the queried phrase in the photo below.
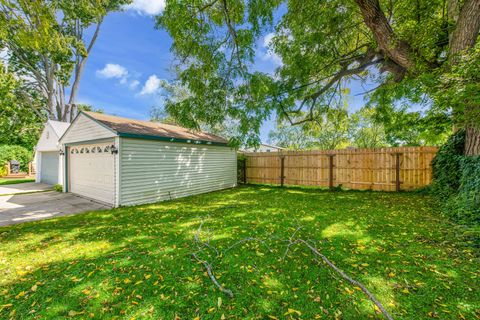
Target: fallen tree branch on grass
(343, 275)
(208, 267)
(246, 240)
(291, 241)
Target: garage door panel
(49, 167)
(92, 171)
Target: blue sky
(130, 57)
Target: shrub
(446, 165)
(12, 152)
(241, 161)
(464, 205)
(456, 181)
(3, 170)
(58, 187)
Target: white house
(121, 161)
(48, 162)
(263, 147)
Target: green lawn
(135, 263)
(4, 181)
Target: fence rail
(387, 169)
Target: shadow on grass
(135, 262)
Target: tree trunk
(81, 65)
(472, 142)
(467, 28)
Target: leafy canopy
(47, 44)
(402, 48)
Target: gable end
(84, 128)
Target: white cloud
(134, 84)
(148, 7)
(112, 70)
(269, 54)
(267, 40)
(151, 85)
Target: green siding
(153, 171)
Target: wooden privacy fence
(387, 169)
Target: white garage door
(49, 167)
(91, 171)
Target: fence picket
(361, 169)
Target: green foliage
(19, 153)
(446, 165)
(459, 89)
(3, 170)
(329, 131)
(241, 166)
(19, 123)
(58, 187)
(456, 181)
(135, 262)
(47, 46)
(319, 48)
(464, 205)
(335, 129)
(87, 107)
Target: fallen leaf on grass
(290, 311)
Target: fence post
(282, 170)
(397, 172)
(330, 171)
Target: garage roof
(132, 128)
(59, 127)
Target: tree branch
(81, 65)
(346, 277)
(395, 49)
(208, 267)
(341, 74)
(232, 32)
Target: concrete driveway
(18, 207)
(27, 187)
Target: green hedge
(456, 181)
(464, 205)
(12, 152)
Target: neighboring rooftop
(263, 147)
(153, 129)
(59, 127)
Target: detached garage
(123, 162)
(48, 161)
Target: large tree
(19, 124)
(409, 49)
(46, 45)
